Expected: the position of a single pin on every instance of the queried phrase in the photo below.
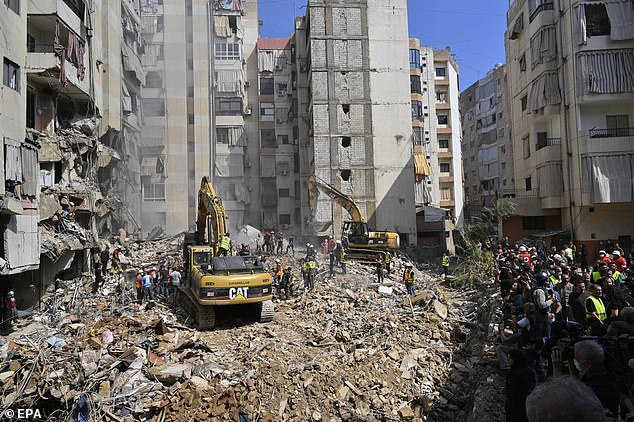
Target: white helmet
(601, 252)
(308, 245)
(522, 248)
(277, 260)
(616, 253)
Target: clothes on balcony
(544, 46)
(606, 71)
(30, 170)
(229, 81)
(266, 61)
(221, 26)
(13, 161)
(621, 16)
(550, 180)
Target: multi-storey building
(354, 91)
(201, 76)
(279, 136)
(571, 91)
(487, 154)
(435, 117)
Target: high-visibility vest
(554, 280)
(342, 258)
(312, 265)
(617, 276)
(305, 267)
(445, 261)
(388, 258)
(408, 276)
(225, 243)
(599, 306)
(596, 276)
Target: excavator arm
(210, 209)
(338, 197)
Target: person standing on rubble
(388, 263)
(139, 286)
(225, 245)
(445, 265)
(379, 270)
(164, 279)
(408, 278)
(10, 309)
(312, 272)
(148, 286)
(258, 244)
(304, 269)
(175, 280)
(331, 256)
(116, 262)
(290, 246)
(286, 284)
(343, 259)
(338, 252)
(280, 244)
(105, 257)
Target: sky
(474, 29)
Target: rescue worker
(379, 270)
(280, 244)
(278, 271)
(244, 250)
(312, 272)
(594, 305)
(305, 271)
(225, 245)
(286, 285)
(600, 273)
(408, 278)
(290, 246)
(331, 257)
(139, 285)
(619, 261)
(10, 309)
(525, 256)
(445, 264)
(617, 276)
(343, 258)
(388, 263)
(148, 282)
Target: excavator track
(205, 316)
(267, 310)
(370, 256)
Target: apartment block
(354, 101)
(486, 150)
(571, 91)
(434, 86)
(200, 104)
(279, 136)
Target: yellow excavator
(360, 242)
(212, 281)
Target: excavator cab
(356, 232)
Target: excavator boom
(339, 198)
(210, 209)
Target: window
(445, 168)
(13, 5)
(267, 112)
(190, 91)
(160, 24)
(503, 149)
(522, 62)
(285, 219)
(415, 84)
(441, 96)
(534, 223)
(267, 137)
(527, 147)
(154, 107)
(222, 135)
(417, 110)
(266, 86)
(190, 63)
(282, 89)
(282, 139)
(30, 107)
(229, 106)
(229, 51)
(443, 143)
(618, 125)
(153, 80)
(190, 119)
(524, 102)
(189, 10)
(441, 72)
(528, 184)
(154, 192)
(414, 58)
(77, 6)
(284, 193)
(11, 75)
(597, 21)
(542, 140)
(443, 119)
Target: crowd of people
(151, 283)
(567, 335)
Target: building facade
(279, 136)
(355, 92)
(488, 164)
(571, 91)
(200, 102)
(435, 94)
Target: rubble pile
(342, 351)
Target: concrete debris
(344, 351)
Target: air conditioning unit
(278, 67)
(247, 164)
(248, 111)
(281, 93)
(283, 172)
(303, 68)
(247, 84)
(295, 141)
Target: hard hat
(616, 253)
(541, 277)
(11, 294)
(558, 257)
(522, 248)
(408, 264)
(602, 252)
(338, 241)
(277, 260)
(308, 244)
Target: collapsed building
(72, 167)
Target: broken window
(13, 5)
(524, 102)
(527, 147)
(441, 72)
(154, 107)
(345, 175)
(282, 139)
(345, 141)
(522, 62)
(443, 119)
(285, 219)
(284, 193)
(154, 192)
(30, 107)
(345, 108)
(597, 20)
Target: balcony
(43, 68)
(541, 8)
(547, 142)
(615, 140)
(611, 133)
(69, 12)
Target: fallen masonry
(351, 349)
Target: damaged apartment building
(354, 104)
(71, 140)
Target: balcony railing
(547, 142)
(611, 133)
(540, 8)
(517, 193)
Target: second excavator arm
(338, 197)
(210, 209)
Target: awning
(132, 62)
(422, 168)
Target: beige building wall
(572, 118)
